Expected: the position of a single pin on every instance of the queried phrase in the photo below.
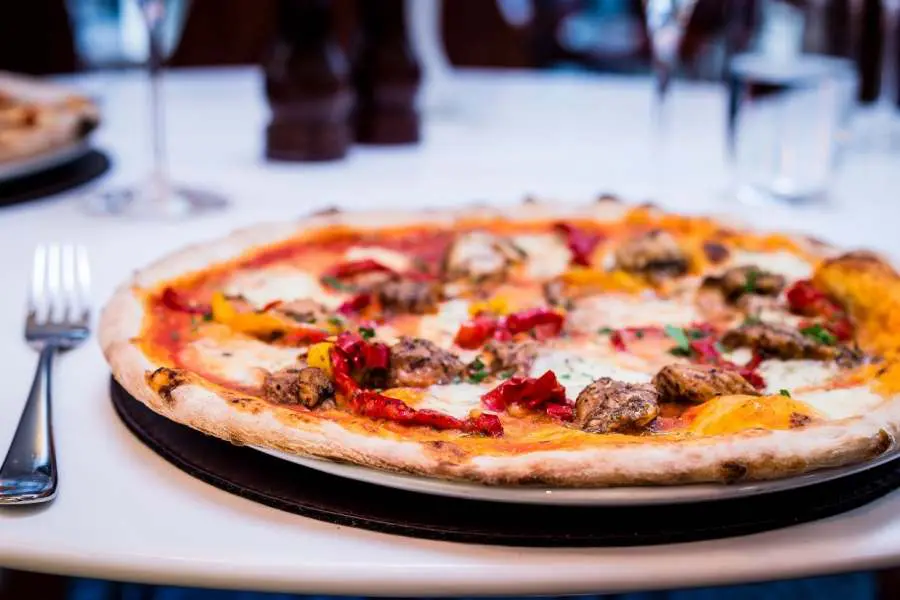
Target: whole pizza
(606, 344)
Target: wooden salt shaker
(387, 76)
(308, 86)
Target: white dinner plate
(46, 160)
(611, 496)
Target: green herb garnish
(335, 283)
(638, 334)
(682, 343)
(605, 330)
(367, 333)
(750, 320)
(477, 373)
(750, 283)
(207, 316)
(507, 374)
(336, 321)
(820, 334)
(784, 393)
(695, 334)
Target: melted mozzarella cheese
(575, 371)
(390, 258)
(457, 399)
(794, 374)
(842, 402)
(783, 263)
(280, 283)
(441, 327)
(548, 254)
(619, 311)
(241, 361)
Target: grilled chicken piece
(699, 383)
(416, 362)
(408, 296)
(479, 256)
(778, 342)
(740, 281)
(654, 253)
(513, 358)
(308, 386)
(607, 406)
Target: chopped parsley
(336, 321)
(335, 283)
(606, 331)
(784, 393)
(638, 334)
(507, 374)
(750, 283)
(477, 373)
(682, 342)
(751, 320)
(207, 316)
(367, 333)
(695, 334)
(820, 334)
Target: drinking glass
(666, 22)
(157, 196)
(788, 119)
(878, 126)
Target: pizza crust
(751, 455)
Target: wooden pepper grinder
(387, 76)
(308, 86)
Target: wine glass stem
(160, 174)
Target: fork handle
(29, 472)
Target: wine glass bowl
(157, 196)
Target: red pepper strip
(805, 299)
(618, 337)
(271, 305)
(356, 267)
(705, 353)
(354, 304)
(303, 335)
(841, 328)
(581, 243)
(563, 412)
(340, 369)
(472, 334)
(549, 321)
(173, 301)
(532, 393)
(377, 406)
(361, 356)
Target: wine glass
(157, 196)
(666, 22)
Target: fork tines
(60, 284)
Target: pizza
(605, 344)
(36, 117)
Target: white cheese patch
(618, 311)
(842, 402)
(793, 374)
(575, 371)
(390, 258)
(781, 262)
(548, 254)
(456, 399)
(242, 361)
(478, 254)
(280, 283)
(442, 326)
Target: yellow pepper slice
(319, 356)
(256, 324)
(612, 280)
(498, 305)
(222, 310)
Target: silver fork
(58, 319)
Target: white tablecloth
(124, 513)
